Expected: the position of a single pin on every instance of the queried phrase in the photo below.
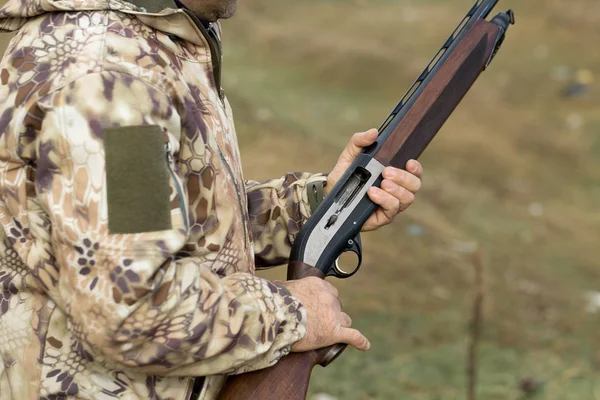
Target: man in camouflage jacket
(129, 236)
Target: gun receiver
(334, 226)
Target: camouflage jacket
(129, 236)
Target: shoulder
(51, 50)
(56, 49)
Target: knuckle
(389, 218)
(409, 198)
(330, 299)
(347, 318)
(399, 192)
(331, 322)
(332, 289)
(356, 336)
(337, 332)
(418, 185)
(389, 202)
(402, 176)
(404, 197)
(359, 336)
(314, 280)
(387, 184)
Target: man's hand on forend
(398, 188)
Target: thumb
(357, 143)
(354, 338)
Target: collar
(179, 4)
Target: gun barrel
(480, 10)
(409, 132)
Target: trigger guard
(354, 246)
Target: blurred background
(511, 189)
(515, 172)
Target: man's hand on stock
(398, 188)
(326, 323)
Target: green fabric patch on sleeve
(137, 179)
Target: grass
(306, 75)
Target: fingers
(363, 139)
(405, 179)
(415, 168)
(357, 142)
(354, 338)
(390, 206)
(400, 198)
(332, 297)
(326, 323)
(330, 288)
(346, 321)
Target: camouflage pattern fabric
(86, 313)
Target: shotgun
(335, 225)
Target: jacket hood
(163, 15)
(15, 13)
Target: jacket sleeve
(278, 208)
(129, 297)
